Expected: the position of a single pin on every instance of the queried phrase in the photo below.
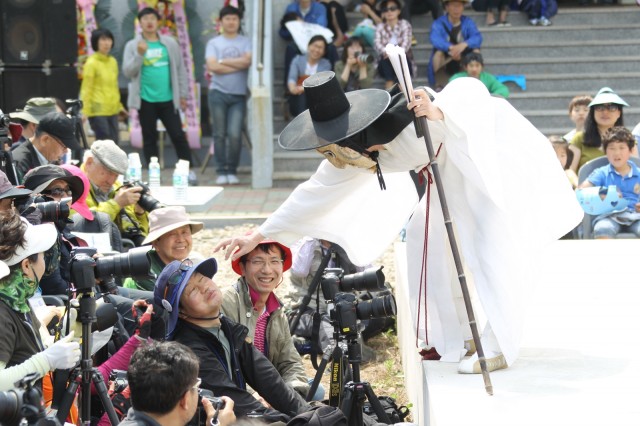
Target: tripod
(349, 396)
(74, 113)
(86, 374)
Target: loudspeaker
(38, 32)
(17, 85)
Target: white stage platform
(580, 358)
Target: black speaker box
(17, 85)
(38, 32)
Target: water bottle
(154, 173)
(134, 172)
(180, 182)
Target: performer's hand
(142, 47)
(243, 244)
(423, 107)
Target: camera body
(24, 403)
(119, 379)
(75, 107)
(217, 402)
(147, 201)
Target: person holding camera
(355, 68)
(251, 301)
(54, 135)
(170, 231)
(164, 384)
(29, 117)
(22, 349)
(102, 165)
(229, 362)
(9, 193)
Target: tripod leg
(326, 357)
(375, 404)
(101, 388)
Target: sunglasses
(607, 107)
(175, 279)
(389, 9)
(58, 192)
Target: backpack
(396, 414)
(324, 415)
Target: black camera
(364, 57)
(217, 402)
(348, 309)
(119, 379)
(146, 201)
(85, 269)
(49, 211)
(75, 107)
(24, 403)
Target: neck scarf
(16, 289)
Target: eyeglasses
(261, 263)
(196, 387)
(59, 142)
(58, 192)
(389, 9)
(607, 107)
(175, 279)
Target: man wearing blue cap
(228, 360)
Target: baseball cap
(35, 110)
(167, 292)
(38, 238)
(7, 190)
(166, 220)
(60, 126)
(110, 155)
(39, 178)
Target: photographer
(9, 193)
(102, 165)
(164, 384)
(170, 231)
(355, 68)
(54, 135)
(30, 116)
(22, 350)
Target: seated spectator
(30, 116)
(473, 66)
(22, 350)
(453, 35)
(578, 111)
(354, 71)
(564, 154)
(605, 112)
(9, 193)
(54, 135)
(539, 12)
(336, 21)
(302, 67)
(228, 361)
(625, 175)
(366, 30)
(170, 231)
(395, 31)
(102, 165)
(164, 388)
(251, 301)
(490, 6)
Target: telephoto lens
(378, 307)
(133, 263)
(371, 279)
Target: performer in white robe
(506, 194)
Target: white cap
(38, 238)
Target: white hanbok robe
(507, 196)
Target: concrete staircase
(585, 49)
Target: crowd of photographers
(55, 292)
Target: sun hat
(166, 220)
(110, 155)
(38, 238)
(332, 115)
(7, 190)
(606, 95)
(60, 126)
(35, 110)
(286, 265)
(168, 295)
(39, 178)
(80, 205)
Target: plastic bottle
(134, 172)
(154, 173)
(180, 182)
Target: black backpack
(320, 416)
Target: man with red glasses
(54, 135)
(229, 362)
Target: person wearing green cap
(29, 117)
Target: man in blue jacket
(452, 35)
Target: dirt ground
(385, 374)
